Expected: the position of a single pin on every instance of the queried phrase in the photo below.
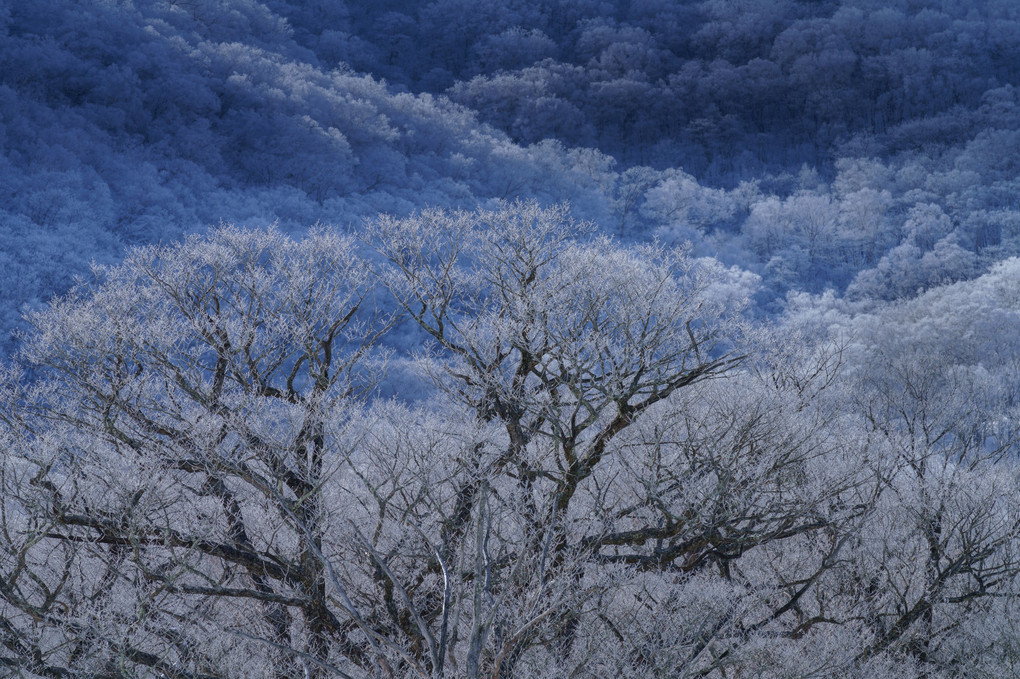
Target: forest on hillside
(557, 338)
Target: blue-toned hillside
(854, 145)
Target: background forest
(648, 338)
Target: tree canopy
(613, 474)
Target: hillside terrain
(617, 338)
(853, 145)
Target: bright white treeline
(615, 473)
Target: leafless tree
(170, 460)
(614, 475)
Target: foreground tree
(629, 441)
(166, 471)
(612, 475)
(948, 431)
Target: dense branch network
(613, 473)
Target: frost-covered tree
(165, 474)
(612, 472)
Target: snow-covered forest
(517, 338)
